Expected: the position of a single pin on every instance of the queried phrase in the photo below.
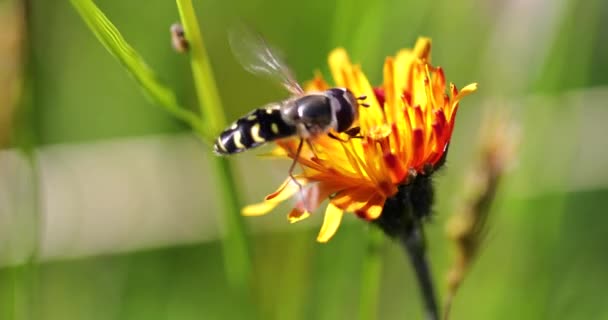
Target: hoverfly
(306, 115)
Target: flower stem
(237, 261)
(414, 245)
(371, 275)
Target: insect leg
(312, 148)
(293, 165)
(352, 133)
(335, 137)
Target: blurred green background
(546, 252)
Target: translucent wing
(257, 57)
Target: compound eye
(315, 110)
(345, 117)
(347, 111)
(319, 115)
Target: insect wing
(257, 57)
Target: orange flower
(406, 128)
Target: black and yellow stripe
(255, 128)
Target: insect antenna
(362, 98)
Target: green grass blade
(237, 259)
(116, 44)
(204, 81)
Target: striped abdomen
(257, 127)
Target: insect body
(305, 115)
(259, 126)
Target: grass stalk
(236, 251)
(116, 44)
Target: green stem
(371, 275)
(28, 216)
(236, 251)
(414, 245)
(204, 82)
(237, 260)
(116, 44)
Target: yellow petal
(331, 222)
(456, 98)
(340, 66)
(422, 49)
(467, 90)
(374, 212)
(372, 208)
(403, 69)
(297, 215)
(392, 93)
(258, 209)
(287, 189)
(274, 153)
(372, 116)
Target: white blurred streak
(120, 196)
(590, 170)
(135, 194)
(125, 195)
(563, 143)
(18, 211)
(106, 197)
(521, 40)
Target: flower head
(405, 130)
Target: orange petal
(317, 83)
(331, 222)
(372, 209)
(353, 199)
